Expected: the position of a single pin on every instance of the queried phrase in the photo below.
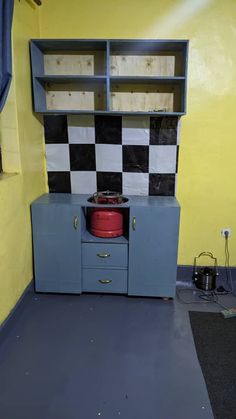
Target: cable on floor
(205, 296)
(211, 296)
(229, 279)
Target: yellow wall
(22, 142)
(207, 169)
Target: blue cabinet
(57, 247)
(153, 244)
(69, 259)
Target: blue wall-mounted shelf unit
(117, 77)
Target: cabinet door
(57, 247)
(153, 248)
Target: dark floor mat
(215, 341)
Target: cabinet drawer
(104, 255)
(105, 280)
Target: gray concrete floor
(108, 356)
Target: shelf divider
(69, 79)
(108, 89)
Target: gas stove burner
(107, 197)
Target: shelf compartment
(71, 57)
(133, 96)
(147, 58)
(78, 95)
(87, 237)
(82, 63)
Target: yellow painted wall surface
(207, 169)
(22, 142)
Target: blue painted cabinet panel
(153, 245)
(146, 263)
(57, 247)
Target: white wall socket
(225, 230)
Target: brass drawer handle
(105, 281)
(75, 223)
(134, 223)
(103, 255)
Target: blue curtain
(6, 13)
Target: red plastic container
(106, 222)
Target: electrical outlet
(224, 232)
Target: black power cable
(229, 280)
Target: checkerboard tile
(162, 159)
(59, 182)
(83, 182)
(162, 185)
(135, 131)
(135, 183)
(176, 183)
(82, 157)
(132, 155)
(108, 157)
(81, 129)
(178, 131)
(57, 156)
(108, 129)
(163, 131)
(135, 158)
(109, 181)
(55, 129)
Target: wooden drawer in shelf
(103, 255)
(105, 280)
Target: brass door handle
(103, 255)
(75, 223)
(134, 223)
(105, 281)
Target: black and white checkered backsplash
(132, 155)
